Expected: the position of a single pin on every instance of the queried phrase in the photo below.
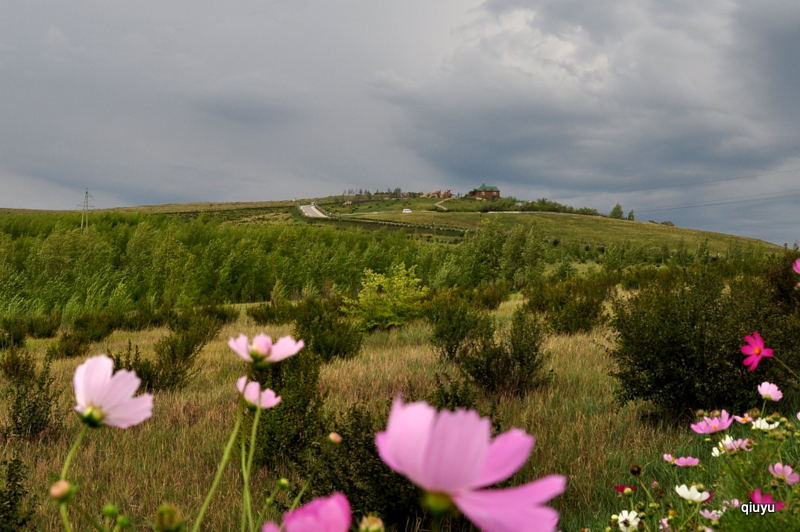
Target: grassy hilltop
(133, 281)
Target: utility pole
(85, 212)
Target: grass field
(172, 457)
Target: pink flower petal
(515, 509)
(270, 527)
(110, 394)
(240, 347)
(457, 449)
(796, 266)
(507, 453)
(325, 514)
(284, 348)
(404, 443)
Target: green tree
(616, 212)
(387, 300)
(630, 216)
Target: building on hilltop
(485, 192)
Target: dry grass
(173, 456)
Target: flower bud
(110, 510)
(627, 491)
(334, 438)
(62, 491)
(168, 519)
(371, 523)
(124, 521)
(614, 518)
(283, 483)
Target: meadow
(193, 256)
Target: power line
(682, 184)
(726, 202)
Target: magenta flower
(325, 514)
(621, 488)
(784, 472)
(765, 498)
(251, 392)
(451, 456)
(105, 397)
(710, 425)
(755, 349)
(769, 391)
(262, 350)
(796, 266)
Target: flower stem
(787, 368)
(310, 478)
(71, 453)
(226, 456)
(249, 465)
(270, 500)
(97, 526)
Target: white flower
(764, 425)
(720, 448)
(628, 521)
(691, 493)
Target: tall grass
(172, 457)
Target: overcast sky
(587, 102)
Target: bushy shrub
(355, 468)
(288, 430)
(15, 509)
(68, 345)
(326, 332)
(272, 313)
(44, 326)
(678, 343)
(146, 318)
(452, 318)
(489, 295)
(452, 393)
(571, 306)
(95, 326)
(389, 300)
(224, 314)
(513, 365)
(32, 397)
(13, 332)
(175, 355)
(17, 365)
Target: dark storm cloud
(582, 100)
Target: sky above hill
(684, 111)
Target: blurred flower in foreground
(252, 390)
(451, 456)
(105, 397)
(325, 514)
(262, 350)
(755, 349)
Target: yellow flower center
(756, 350)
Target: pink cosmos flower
(262, 350)
(451, 456)
(715, 424)
(784, 472)
(765, 498)
(252, 390)
(739, 445)
(755, 349)
(796, 266)
(769, 391)
(105, 397)
(325, 514)
(744, 419)
(711, 514)
(686, 461)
